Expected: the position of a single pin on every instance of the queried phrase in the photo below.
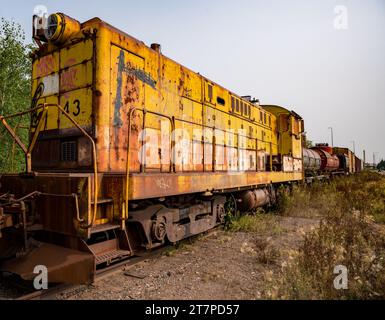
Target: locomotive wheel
(221, 213)
(159, 230)
(231, 208)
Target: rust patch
(44, 66)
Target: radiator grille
(68, 151)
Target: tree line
(15, 92)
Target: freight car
(329, 161)
(347, 159)
(323, 161)
(129, 149)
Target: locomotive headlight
(53, 27)
(61, 28)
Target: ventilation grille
(68, 151)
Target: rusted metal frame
(29, 195)
(95, 193)
(23, 212)
(73, 195)
(13, 134)
(173, 151)
(143, 151)
(14, 115)
(34, 139)
(128, 163)
(188, 183)
(81, 220)
(27, 152)
(38, 193)
(13, 144)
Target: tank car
(311, 161)
(329, 161)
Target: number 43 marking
(76, 105)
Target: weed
(347, 235)
(260, 223)
(266, 253)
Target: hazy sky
(284, 52)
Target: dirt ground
(219, 265)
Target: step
(111, 256)
(104, 227)
(108, 251)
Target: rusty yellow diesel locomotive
(129, 149)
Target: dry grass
(364, 192)
(352, 209)
(266, 253)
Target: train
(324, 161)
(130, 150)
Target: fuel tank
(252, 199)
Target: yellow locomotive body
(125, 139)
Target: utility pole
(354, 146)
(374, 159)
(331, 129)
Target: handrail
(128, 163)
(95, 163)
(38, 129)
(125, 213)
(27, 151)
(14, 115)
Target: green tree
(381, 165)
(309, 144)
(15, 88)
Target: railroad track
(53, 292)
